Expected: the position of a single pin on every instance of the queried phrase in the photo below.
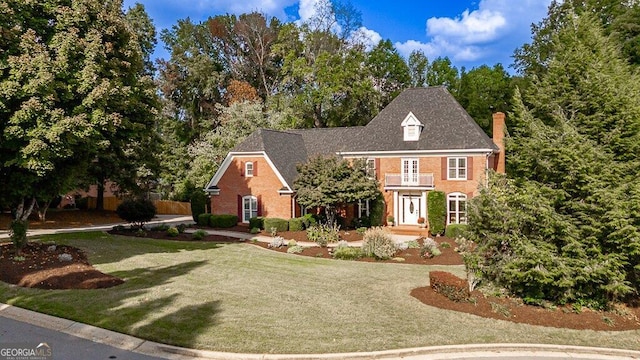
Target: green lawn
(241, 298)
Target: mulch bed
(409, 256)
(512, 309)
(39, 266)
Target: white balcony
(415, 181)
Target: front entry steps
(409, 230)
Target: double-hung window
(371, 168)
(249, 208)
(248, 169)
(457, 168)
(457, 208)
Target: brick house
(422, 141)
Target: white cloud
(474, 27)
(368, 37)
(497, 26)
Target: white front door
(410, 209)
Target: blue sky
(470, 33)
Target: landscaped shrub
(429, 248)
(223, 221)
(136, 211)
(322, 234)
(376, 211)
(203, 219)
(402, 246)
(161, 227)
(308, 220)
(455, 230)
(361, 222)
(254, 230)
(277, 223)
(277, 242)
(296, 224)
(347, 253)
(256, 222)
(437, 210)
(199, 234)
(172, 231)
(181, 228)
(296, 249)
(377, 242)
(198, 204)
(449, 285)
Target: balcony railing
(411, 180)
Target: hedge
(296, 224)
(449, 285)
(203, 219)
(256, 223)
(455, 230)
(223, 221)
(437, 211)
(279, 224)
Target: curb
(141, 346)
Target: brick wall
(433, 164)
(264, 185)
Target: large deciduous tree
(329, 182)
(71, 80)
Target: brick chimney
(498, 139)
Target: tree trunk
(20, 223)
(42, 211)
(100, 198)
(330, 212)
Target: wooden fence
(164, 207)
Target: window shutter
(376, 163)
(242, 167)
(255, 168)
(470, 168)
(240, 208)
(259, 204)
(443, 167)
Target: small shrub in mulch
(449, 285)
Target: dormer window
(412, 128)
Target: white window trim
(457, 168)
(248, 172)
(371, 170)
(411, 122)
(416, 175)
(457, 197)
(251, 210)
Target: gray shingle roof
(447, 126)
(285, 149)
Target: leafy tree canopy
(329, 182)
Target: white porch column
(423, 209)
(396, 207)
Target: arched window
(249, 207)
(457, 208)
